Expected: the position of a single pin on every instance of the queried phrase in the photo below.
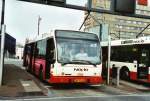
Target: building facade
(120, 27)
(10, 46)
(19, 51)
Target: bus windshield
(78, 50)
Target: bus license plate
(80, 74)
(79, 80)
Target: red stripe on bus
(133, 75)
(75, 79)
(149, 78)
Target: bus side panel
(76, 74)
(133, 75)
(148, 77)
(40, 64)
(149, 74)
(33, 60)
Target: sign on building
(143, 2)
(124, 6)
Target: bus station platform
(19, 83)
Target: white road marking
(26, 84)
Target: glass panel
(77, 2)
(41, 45)
(73, 48)
(76, 35)
(144, 60)
(126, 54)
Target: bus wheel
(124, 74)
(41, 75)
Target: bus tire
(41, 74)
(124, 73)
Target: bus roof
(140, 40)
(51, 34)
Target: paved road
(95, 98)
(84, 92)
(16, 62)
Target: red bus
(65, 57)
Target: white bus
(132, 56)
(65, 57)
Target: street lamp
(3, 27)
(39, 20)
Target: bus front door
(49, 56)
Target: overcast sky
(21, 18)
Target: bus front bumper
(74, 79)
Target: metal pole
(2, 13)
(84, 21)
(2, 52)
(109, 53)
(118, 76)
(38, 26)
(3, 27)
(39, 19)
(142, 31)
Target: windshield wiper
(84, 61)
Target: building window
(139, 22)
(128, 28)
(145, 23)
(120, 27)
(128, 21)
(117, 26)
(122, 21)
(148, 29)
(132, 28)
(134, 22)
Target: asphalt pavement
(93, 98)
(80, 92)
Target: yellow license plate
(79, 80)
